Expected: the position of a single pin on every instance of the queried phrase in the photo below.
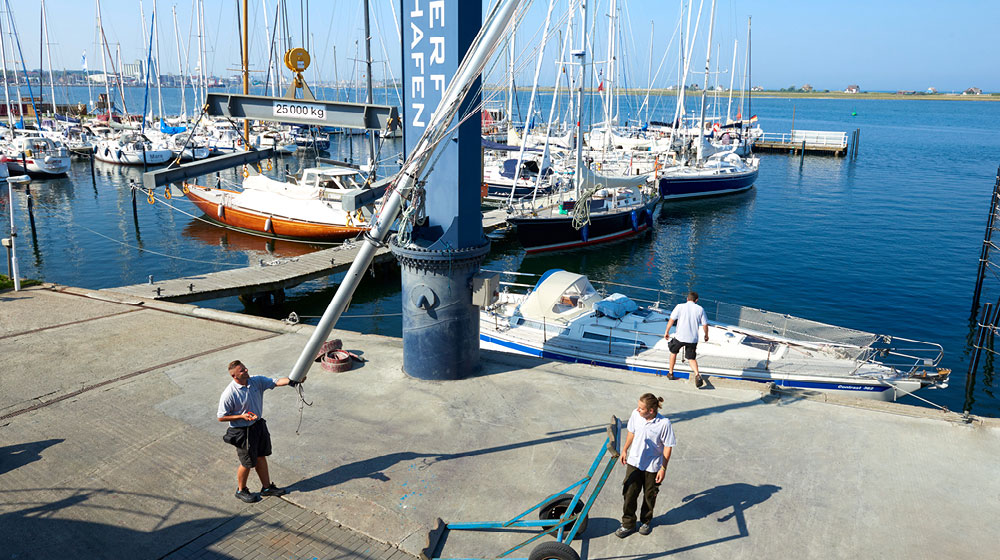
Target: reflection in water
(230, 240)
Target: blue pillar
(440, 324)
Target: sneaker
(246, 496)
(272, 490)
(670, 376)
(622, 532)
(698, 381)
(645, 529)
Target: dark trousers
(635, 481)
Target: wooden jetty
(269, 277)
(826, 142)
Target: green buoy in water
(854, 113)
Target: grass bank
(7, 284)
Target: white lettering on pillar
(438, 81)
(437, 55)
(437, 12)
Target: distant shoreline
(805, 95)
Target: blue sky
(877, 44)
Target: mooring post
(857, 141)
(93, 174)
(131, 184)
(984, 255)
(802, 153)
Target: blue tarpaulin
(171, 129)
(616, 306)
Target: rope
(918, 397)
(354, 316)
(302, 403)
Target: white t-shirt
(648, 442)
(689, 316)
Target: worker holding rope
(242, 405)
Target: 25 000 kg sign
(299, 110)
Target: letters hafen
(429, 23)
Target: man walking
(688, 316)
(646, 452)
(242, 405)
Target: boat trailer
(563, 514)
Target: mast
(156, 66)
(203, 83)
(510, 75)
(732, 76)
(48, 50)
(270, 48)
(104, 63)
(649, 71)
(704, 87)
(6, 90)
(180, 67)
(581, 53)
(368, 65)
(246, 73)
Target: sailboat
(603, 208)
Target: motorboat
(306, 206)
(564, 317)
(33, 154)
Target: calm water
(888, 243)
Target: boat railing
(810, 137)
(900, 353)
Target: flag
(753, 119)
(739, 117)
(600, 86)
(83, 61)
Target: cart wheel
(556, 507)
(553, 550)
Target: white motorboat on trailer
(564, 318)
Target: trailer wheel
(556, 507)
(553, 550)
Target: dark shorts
(690, 348)
(251, 442)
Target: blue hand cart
(563, 514)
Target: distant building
(853, 88)
(757, 88)
(807, 88)
(133, 70)
(973, 91)
(931, 90)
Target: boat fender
(585, 233)
(635, 221)
(269, 226)
(107, 150)
(649, 217)
(221, 211)
(119, 154)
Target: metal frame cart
(563, 514)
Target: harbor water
(888, 243)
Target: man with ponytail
(645, 455)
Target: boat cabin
(559, 295)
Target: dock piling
(802, 153)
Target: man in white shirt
(646, 452)
(688, 316)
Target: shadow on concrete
(17, 455)
(375, 467)
(61, 529)
(739, 496)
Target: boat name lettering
(856, 387)
(301, 110)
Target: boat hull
(539, 235)
(275, 226)
(860, 387)
(674, 187)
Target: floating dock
(117, 453)
(803, 141)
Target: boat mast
(203, 83)
(732, 76)
(246, 73)
(104, 63)
(270, 49)
(610, 73)
(368, 98)
(180, 67)
(581, 54)
(48, 50)
(156, 66)
(510, 76)
(704, 87)
(6, 92)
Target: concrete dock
(110, 449)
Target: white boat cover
(559, 295)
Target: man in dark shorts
(242, 405)
(688, 316)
